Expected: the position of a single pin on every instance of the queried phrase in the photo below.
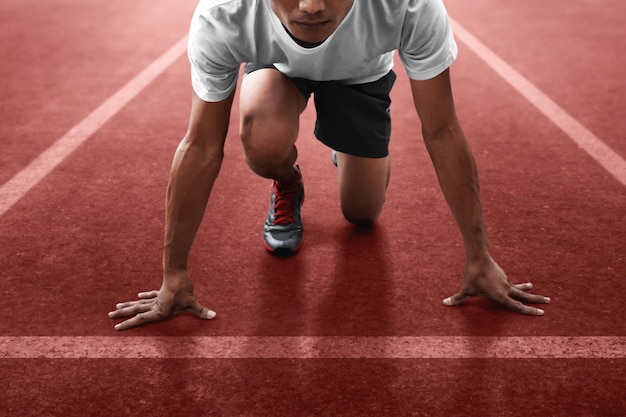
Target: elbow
(207, 150)
(447, 130)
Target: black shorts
(351, 118)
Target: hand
(485, 278)
(175, 296)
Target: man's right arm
(194, 169)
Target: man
(341, 52)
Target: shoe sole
(282, 251)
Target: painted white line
(311, 347)
(585, 139)
(13, 190)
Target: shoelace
(285, 203)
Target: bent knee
(265, 147)
(362, 215)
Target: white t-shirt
(227, 33)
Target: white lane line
(311, 347)
(14, 189)
(585, 139)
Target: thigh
(362, 186)
(270, 108)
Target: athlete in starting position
(341, 53)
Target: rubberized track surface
(352, 325)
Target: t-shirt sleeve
(214, 70)
(427, 46)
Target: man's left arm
(457, 174)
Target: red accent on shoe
(284, 205)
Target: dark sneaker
(283, 230)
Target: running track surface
(353, 325)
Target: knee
(362, 214)
(266, 145)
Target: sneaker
(334, 157)
(283, 230)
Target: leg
(362, 187)
(355, 121)
(270, 116)
(270, 107)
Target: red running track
(89, 233)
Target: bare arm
(458, 178)
(195, 167)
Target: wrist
(477, 255)
(174, 259)
(476, 246)
(478, 262)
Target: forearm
(458, 179)
(192, 176)
(194, 169)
